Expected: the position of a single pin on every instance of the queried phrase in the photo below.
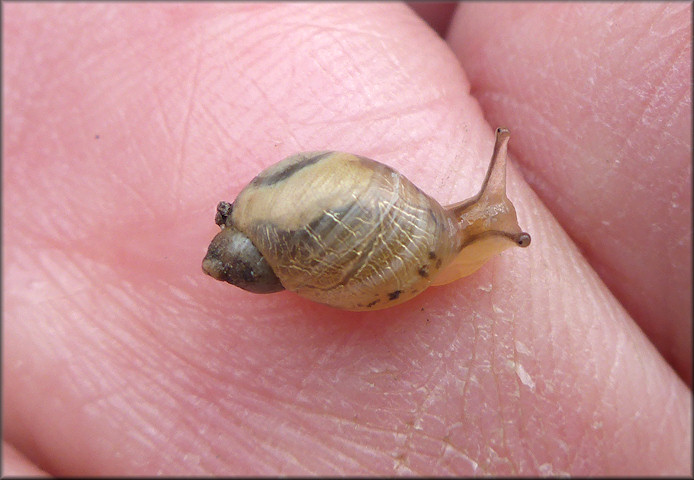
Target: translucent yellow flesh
(471, 258)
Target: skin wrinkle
(518, 456)
(264, 442)
(288, 405)
(336, 451)
(465, 381)
(522, 434)
(286, 121)
(499, 389)
(127, 353)
(282, 455)
(178, 171)
(473, 361)
(363, 449)
(647, 109)
(182, 359)
(163, 118)
(246, 440)
(422, 405)
(38, 261)
(353, 459)
(613, 362)
(390, 116)
(325, 106)
(292, 406)
(68, 370)
(144, 437)
(449, 447)
(345, 51)
(322, 460)
(62, 285)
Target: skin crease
(122, 357)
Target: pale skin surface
(126, 124)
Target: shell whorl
(345, 230)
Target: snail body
(353, 233)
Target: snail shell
(353, 233)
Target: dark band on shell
(289, 170)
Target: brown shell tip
(232, 257)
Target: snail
(352, 233)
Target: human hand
(126, 124)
